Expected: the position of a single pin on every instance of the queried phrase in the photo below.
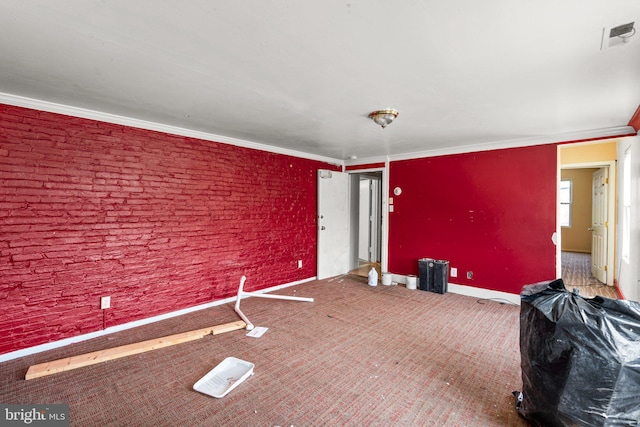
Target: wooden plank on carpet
(69, 363)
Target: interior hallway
(576, 273)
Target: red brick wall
(156, 221)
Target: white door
(599, 224)
(333, 224)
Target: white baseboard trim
(487, 294)
(471, 291)
(72, 340)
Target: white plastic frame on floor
(243, 294)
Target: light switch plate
(105, 302)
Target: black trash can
(440, 276)
(425, 274)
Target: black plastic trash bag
(580, 358)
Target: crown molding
(35, 104)
(594, 135)
(52, 107)
(366, 161)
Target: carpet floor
(357, 355)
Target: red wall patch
(492, 213)
(365, 166)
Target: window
(565, 202)
(626, 204)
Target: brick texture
(158, 222)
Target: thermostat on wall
(397, 191)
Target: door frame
(611, 211)
(369, 216)
(384, 210)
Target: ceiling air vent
(614, 36)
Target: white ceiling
(303, 75)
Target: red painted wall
(634, 122)
(492, 213)
(156, 221)
(365, 166)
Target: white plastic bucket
(412, 282)
(386, 279)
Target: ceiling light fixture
(617, 36)
(383, 117)
(625, 37)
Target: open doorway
(347, 243)
(366, 222)
(576, 206)
(586, 223)
(593, 156)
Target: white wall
(628, 271)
